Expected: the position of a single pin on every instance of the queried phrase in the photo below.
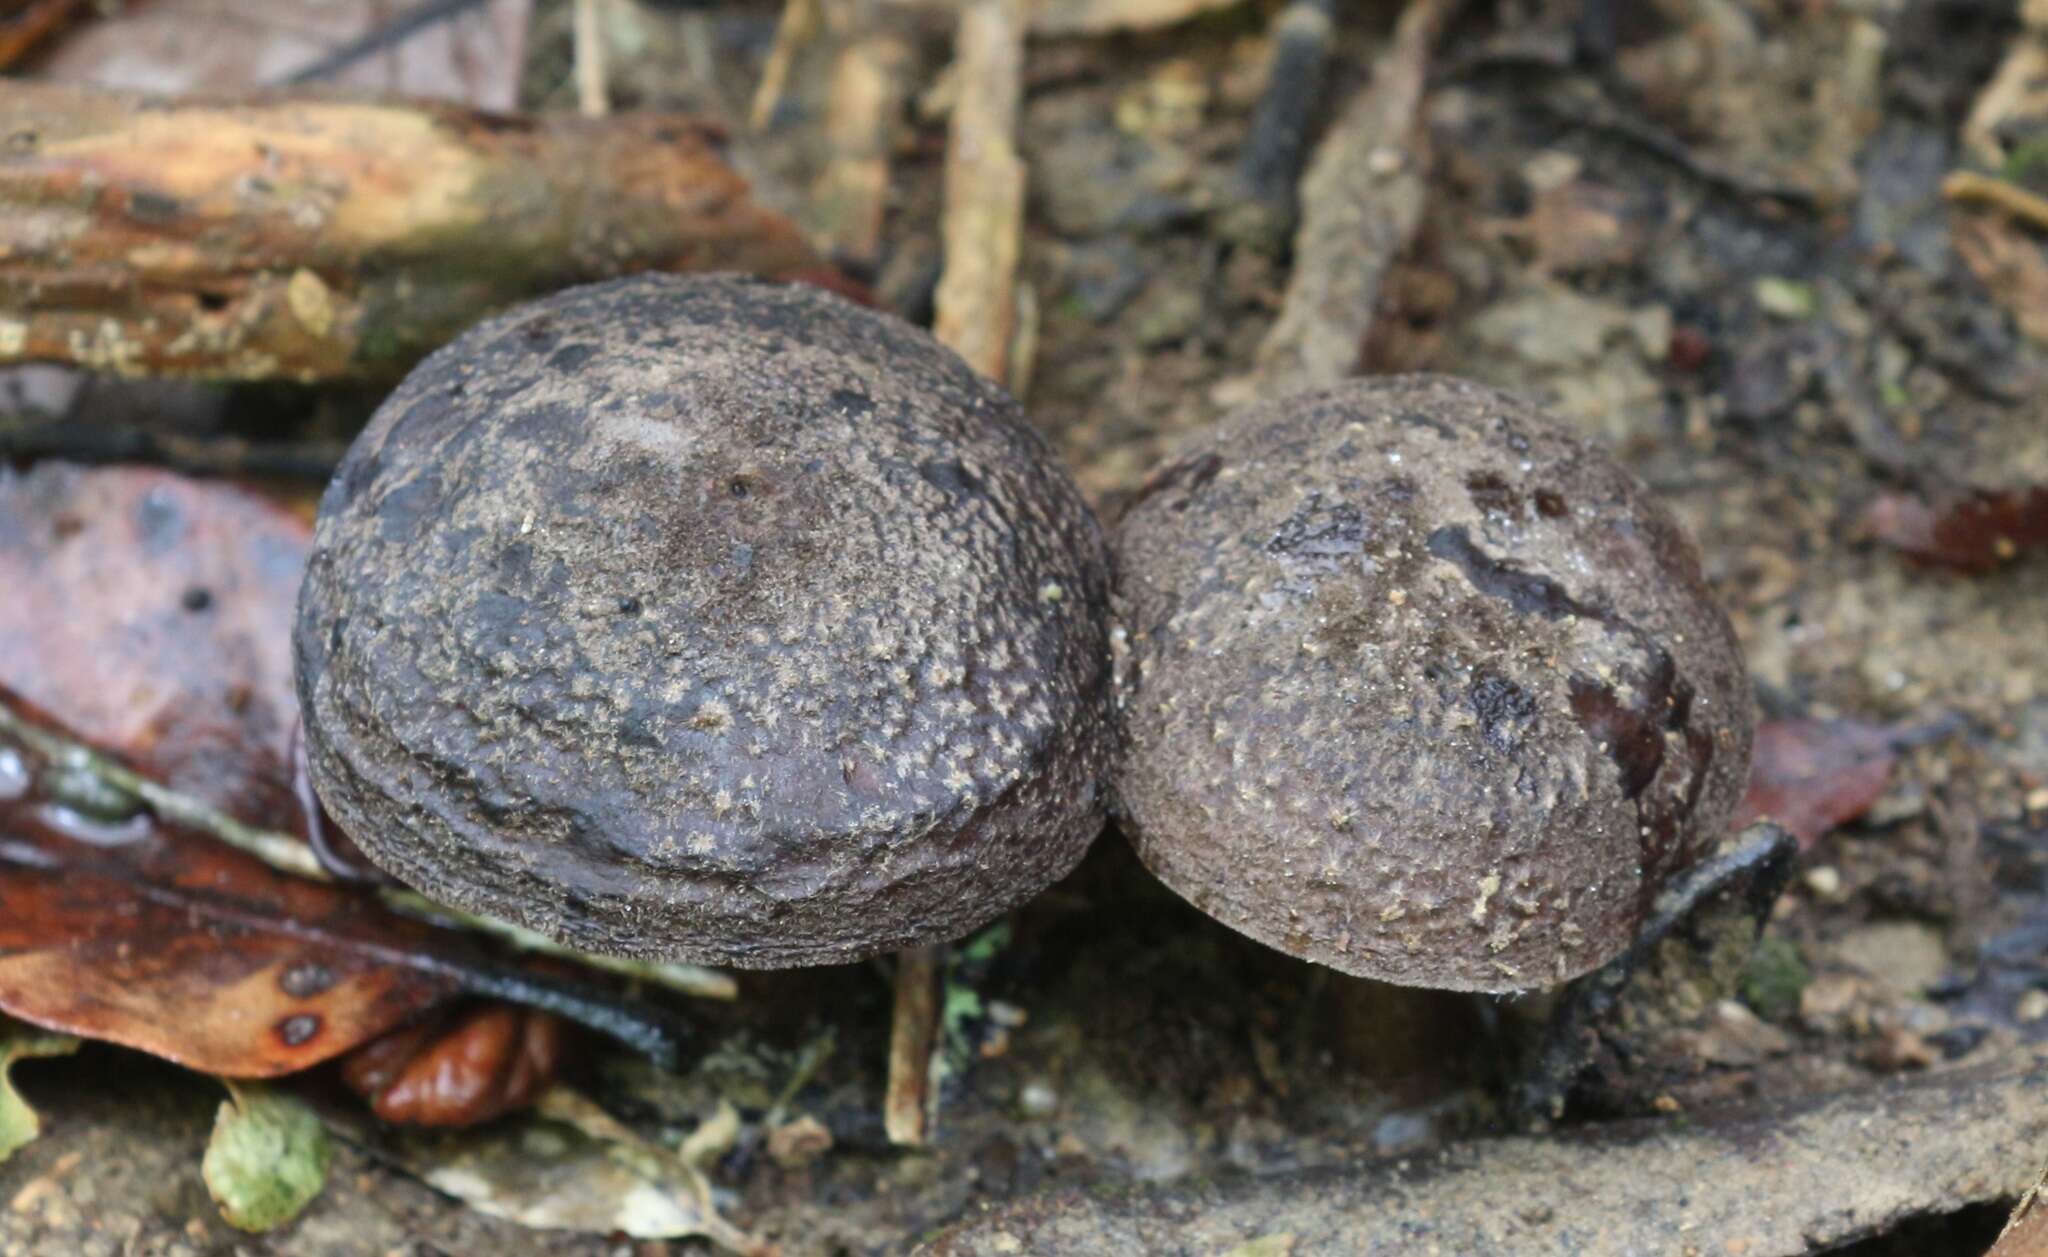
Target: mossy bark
(318, 239)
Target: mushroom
(1417, 686)
(706, 619)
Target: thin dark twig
(28, 439)
(370, 43)
(1273, 149)
(1748, 875)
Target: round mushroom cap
(1417, 686)
(708, 619)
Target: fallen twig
(593, 95)
(389, 35)
(984, 214)
(1273, 149)
(912, 1033)
(319, 239)
(1969, 187)
(29, 438)
(801, 21)
(1360, 206)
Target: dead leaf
(153, 614)
(1812, 775)
(159, 609)
(488, 1062)
(571, 1166)
(161, 939)
(1972, 533)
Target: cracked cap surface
(1417, 686)
(708, 619)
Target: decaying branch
(321, 239)
(1361, 204)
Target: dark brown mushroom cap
(708, 619)
(1421, 688)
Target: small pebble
(1037, 1098)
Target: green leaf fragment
(267, 1159)
(18, 1042)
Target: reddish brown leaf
(117, 925)
(1973, 534)
(1812, 775)
(152, 614)
(149, 935)
(488, 1062)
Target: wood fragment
(984, 215)
(314, 239)
(1361, 204)
(906, 1109)
(1787, 1178)
(2026, 1232)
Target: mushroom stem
(906, 1107)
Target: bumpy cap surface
(1419, 687)
(708, 619)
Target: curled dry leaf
(485, 1063)
(19, 1124)
(1973, 533)
(1812, 775)
(571, 1166)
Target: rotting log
(317, 239)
